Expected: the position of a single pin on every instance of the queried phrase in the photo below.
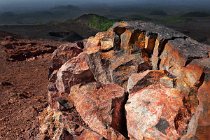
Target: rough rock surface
(135, 81)
(23, 49)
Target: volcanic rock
(22, 49)
(135, 81)
(101, 108)
(151, 112)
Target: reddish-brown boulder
(151, 112)
(74, 71)
(150, 41)
(101, 108)
(125, 39)
(165, 73)
(179, 53)
(64, 53)
(203, 97)
(138, 81)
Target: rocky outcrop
(23, 49)
(135, 81)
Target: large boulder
(135, 81)
(151, 112)
(102, 108)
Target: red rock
(123, 66)
(64, 53)
(138, 81)
(108, 55)
(167, 82)
(74, 71)
(204, 100)
(159, 45)
(178, 53)
(150, 41)
(92, 45)
(141, 40)
(106, 43)
(65, 126)
(100, 108)
(151, 112)
(88, 135)
(99, 68)
(125, 38)
(22, 49)
(169, 102)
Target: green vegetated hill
(94, 21)
(194, 24)
(68, 30)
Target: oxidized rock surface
(102, 108)
(135, 81)
(156, 106)
(22, 49)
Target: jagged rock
(74, 71)
(183, 51)
(125, 39)
(115, 66)
(68, 125)
(150, 40)
(164, 72)
(101, 108)
(167, 81)
(178, 53)
(22, 49)
(203, 96)
(106, 44)
(63, 54)
(138, 81)
(151, 112)
(124, 65)
(99, 68)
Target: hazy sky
(8, 5)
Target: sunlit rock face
(135, 81)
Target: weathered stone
(151, 112)
(107, 43)
(117, 66)
(141, 40)
(123, 66)
(74, 71)
(167, 81)
(69, 125)
(169, 102)
(99, 68)
(88, 135)
(203, 96)
(125, 38)
(150, 40)
(108, 55)
(63, 54)
(155, 59)
(179, 52)
(101, 108)
(137, 40)
(92, 45)
(138, 81)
